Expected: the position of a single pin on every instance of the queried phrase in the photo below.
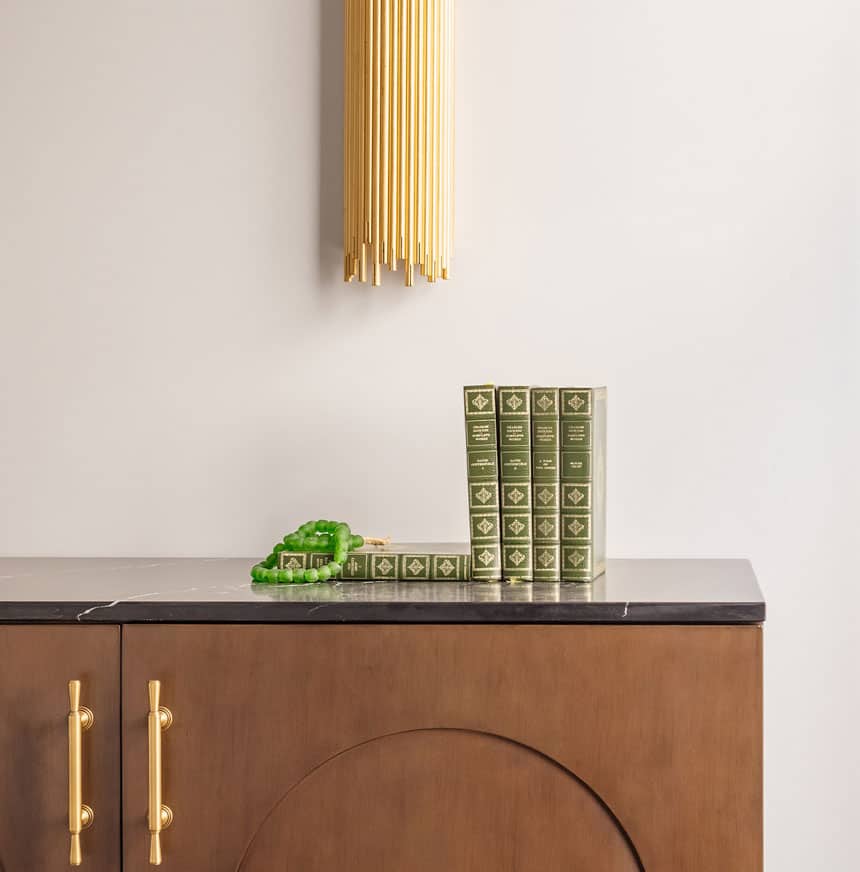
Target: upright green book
(515, 479)
(482, 470)
(396, 562)
(545, 483)
(583, 483)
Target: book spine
(482, 472)
(545, 484)
(434, 567)
(515, 480)
(365, 566)
(583, 483)
(385, 565)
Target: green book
(515, 481)
(545, 484)
(583, 483)
(423, 561)
(482, 473)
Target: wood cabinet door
(36, 665)
(457, 748)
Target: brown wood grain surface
(307, 747)
(36, 665)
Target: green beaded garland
(318, 537)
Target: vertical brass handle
(80, 816)
(159, 816)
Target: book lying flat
(409, 561)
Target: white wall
(660, 196)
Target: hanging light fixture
(398, 137)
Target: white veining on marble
(127, 599)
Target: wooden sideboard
(610, 727)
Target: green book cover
(545, 484)
(515, 481)
(396, 562)
(482, 472)
(583, 483)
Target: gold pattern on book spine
(398, 138)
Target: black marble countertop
(187, 590)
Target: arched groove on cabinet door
(489, 761)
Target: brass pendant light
(398, 137)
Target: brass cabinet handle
(159, 816)
(80, 816)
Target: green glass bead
(311, 575)
(285, 576)
(334, 567)
(255, 572)
(355, 542)
(306, 529)
(340, 557)
(342, 531)
(278, 548)
(292, 541)
(324, 573)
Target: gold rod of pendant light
(443, 145)
(428, 133)
(452, 130)
(431, 132)
(368, 119)
(363, 127)
(410, 147)
(433, 162)
(356, 170)
(403, 76)
(437, 132)
(420, 131)
(377, 137)
(385, 106)
(347, 136)
(393, 163)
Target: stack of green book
(421, 561)
(536, 461)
